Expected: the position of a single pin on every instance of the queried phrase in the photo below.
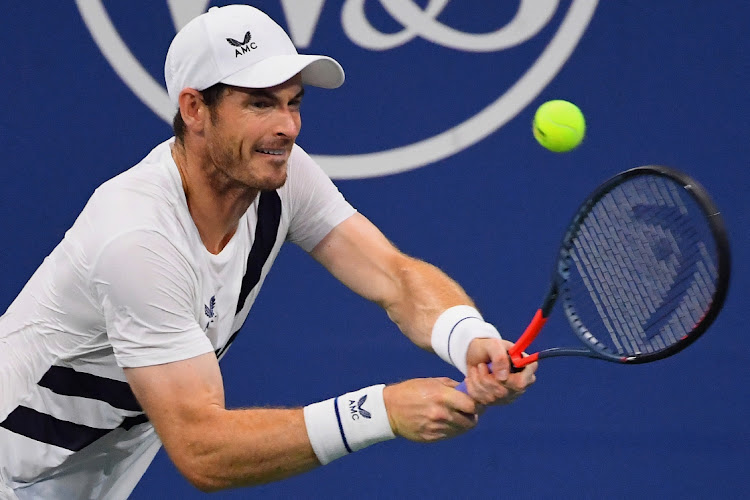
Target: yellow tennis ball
(559, 125)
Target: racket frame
(718, 229)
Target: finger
(473, 388)
(529, 375)
(480, 382)
(489, 379)
(492, 390)
(501, 364)
(457, 401)
(448, 382)
(463, 421)
(517, 382)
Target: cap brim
(318, 71)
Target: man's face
(252, 131)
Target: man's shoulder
(149, 176)
(146, 196)
(151, 184)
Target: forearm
(234, 448)
(436, 314)
(413, 293)
(422, 293)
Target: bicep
(363, 259)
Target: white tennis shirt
(130, 285)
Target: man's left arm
(417, 295)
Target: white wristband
(350, 422)
(454, 330)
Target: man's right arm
(217, 448)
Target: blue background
(659, 82)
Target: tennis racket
(642, 271)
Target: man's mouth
(274, 152)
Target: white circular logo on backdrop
(302, 17)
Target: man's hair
(211, 96)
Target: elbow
(209, 476)
(200, 480)
(197, 465)
(211, 483)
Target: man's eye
(260, 104)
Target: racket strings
(639, 268)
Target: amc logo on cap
(244, 46)
(470, 82)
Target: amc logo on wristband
(355, 408)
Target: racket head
(643, 269)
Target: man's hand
(499, 387)
(429, 409)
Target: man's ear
(193, 110)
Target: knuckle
(434, 433)
(501, 392)
(435, 414)
(518, 386)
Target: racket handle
(513, 369)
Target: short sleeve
(146, 289)
(317, 206)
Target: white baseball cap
(240, 45)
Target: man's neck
(215, 203)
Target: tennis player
(111, 349)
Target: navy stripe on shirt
(266, 232)
(68, 382)
(71, 436)
(48, 429)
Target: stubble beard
(233, 170)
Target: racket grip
(513, 369)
